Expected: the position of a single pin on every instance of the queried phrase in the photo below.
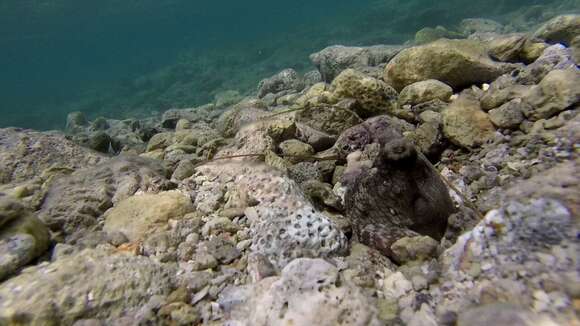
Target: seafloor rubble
(428, 184)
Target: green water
(122, 58)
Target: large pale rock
(558, 91)
(26, 154)
(89, 284)
(458, 63)
(332, 60)
(136, 215)
(374, 97)
(491, 258)
(283, 222)
(75, 204)
(561, 29)
(22, 236)
(241, 114)
(425, 91)
(307, 293)
(502, 314)
(286, 80)
(465, 124)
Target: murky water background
(122, 58)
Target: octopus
(396, 195)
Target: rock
(285, 80)
(425, 91)
(183, 124)
(575, 47)
(283, 223)
(557, 92)
(307, 293)
(465, 124)
(305, 171)
(261, 136)
(396, 285)
(26, 154)
(457, 63)
(224, 251)
(508, 48)
(322, 194)
(101, 142)
(366, 265)
(295, 151)
(334, 59)
(89, 284)
(202, 113)
(136, 215)
(374, 97)
(502, 248)
(160, 141)
(244, 113)
(501, 91)
(227, 98)
(509, 115)
(429, 34)
(99, 123)
(408, 249)
(22, 236)
(479, 25)
(501, 314)
(218, 225)
(275, 161)
(330, 119)
(429, 139)
(75, 204)
(555, 57)
(561, 29)
(317, 139)
(385, 202)
(184, 170)
(76, 122)
(259, 267)
(374, 130)
(312, 77)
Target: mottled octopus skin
(400, 196)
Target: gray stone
(27, 154)
(317, 139)
(332, 60)
(457, 63)
(501, 314)
(425, 91)
(307, 293)
(75, 204)
(22, 237)
(509, 115)
(557, 92)
(465, 124)
(286, 80)
(90, 284)
(561, 29)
